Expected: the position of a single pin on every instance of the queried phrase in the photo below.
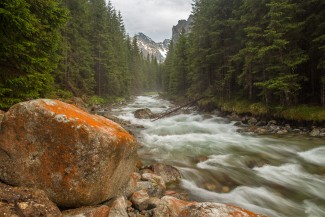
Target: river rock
(27, 202)
(78, 159)
(119, 208)
(252, 121)
(168, 173)
(95, 211)
(140, 200)
(315, 132)
(153, 178)
(144, 114)
(172, 207)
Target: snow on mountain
(151, 48)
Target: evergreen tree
(29, 43)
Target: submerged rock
(21, 201)
(76, 158)
(144, 114)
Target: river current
(279, 176)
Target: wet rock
(172, 207)
(238, 124)
(272, 122)
(78, 159)
(252, 121)
(296, 131)
(315, 132)
(140, 200)
(234, 117)
(260, 131)
(200, 159)
(282, 131)
(27, 202)
(95, 211)
(168, 173)
(119, 208)
(260, 124)
(144, 114)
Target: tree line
(268, 51)
(53, 48)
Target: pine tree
(29, 42)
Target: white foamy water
(275, 176)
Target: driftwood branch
(170, 111)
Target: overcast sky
(154, 18)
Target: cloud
(155, 18)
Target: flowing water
(271, 175)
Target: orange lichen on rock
(76, 115)
(76, 158)
(240, 212)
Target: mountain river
(272, 175)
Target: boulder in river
(144, 114)
(76, 158)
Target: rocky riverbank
(58, 160)
(261, 126)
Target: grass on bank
(295, 113)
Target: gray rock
(144, 114)
(252, 121)
(315, 132)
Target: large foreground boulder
(76, 158)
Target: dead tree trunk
(168, 112)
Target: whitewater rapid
(276, 176)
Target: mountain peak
(149, 46)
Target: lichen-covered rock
(27, 202)
(78, 159)
(172, 207)
(168, 173)
(96, 211)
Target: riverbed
(279, 176)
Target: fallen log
(170, 111)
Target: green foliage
(97, 100)
(29, 41)
(79, 47)
(304, 113)
(270, 52)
